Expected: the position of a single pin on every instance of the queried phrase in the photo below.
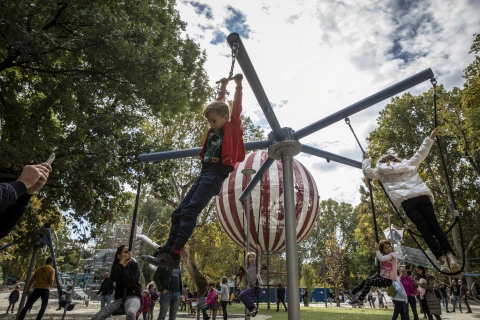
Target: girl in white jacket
(405, 187)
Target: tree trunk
(337, 294)
(188, 259)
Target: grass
(316, 313)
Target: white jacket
(401, 179)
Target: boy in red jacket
(222, 149)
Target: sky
(315, 58)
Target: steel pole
(290, 238)
(193, 152)
(325, 283)
(331, 156)
(27, 280)
(365, 103)
(257, 88)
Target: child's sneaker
(155, 258)
(253, 312)
(165, 260)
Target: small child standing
(406, 188)
(253, 282)
(388, 273)
(13, 298)
(211, 300)
(144, 305)
(222, 149)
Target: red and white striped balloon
(266, 204)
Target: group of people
(223, 147)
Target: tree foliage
(80, 78)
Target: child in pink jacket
(144, 305)
(211, 300)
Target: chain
(234, 56)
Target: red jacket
(233, 149)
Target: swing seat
(119, 312)
(70, 306)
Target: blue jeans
(105, 300)
(169, 300)
(445, 300)
(184, 218)
(400, 308)
(44, 294)
(204, 308)
(246, 296)
(457, 299)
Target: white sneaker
(452, 261)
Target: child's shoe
(253, 312)
(166, 260)
(444, 264)
(452, 261)
(347, 292)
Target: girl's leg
(428, 213)
(132, 304)
(359, 287)
(414, 212)
(374, 281)
(396, 309)
(107, 311)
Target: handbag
(391, 291)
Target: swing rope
(369, 182)
(412, 233)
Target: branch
(162, 198)
(470, 244)
(53, 23)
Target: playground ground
(313, 312)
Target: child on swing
(222, 149)
(388, 273)
(405, 187)
(253, 282)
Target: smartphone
(51, 158)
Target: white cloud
(318, 57)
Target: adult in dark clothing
(14, 197)
(429, 303)
(13, 298)
(455, 294)
(305, 297)
(281, 297)
(126, 275)
(106, 289)
(463, 295)
(169, 285)
(443, 290)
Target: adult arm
(12, 215)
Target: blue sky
(317, 57)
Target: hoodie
(43, 277)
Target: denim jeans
(445, 300)
(169, 300)
(11, 304)
(44, 294)
(105, 300)
(204, 309)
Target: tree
(335, 264)
(80, 78)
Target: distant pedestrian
(281, 297)
(13, 298)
